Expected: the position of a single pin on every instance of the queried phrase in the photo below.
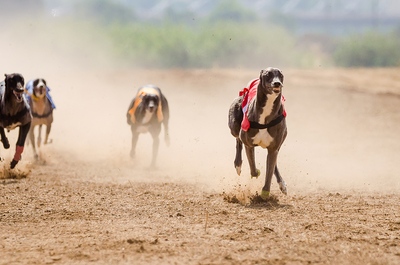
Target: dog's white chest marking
(144, 128)
(263, 138)
(268, 107)
(147, 117)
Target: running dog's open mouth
(276, 90)
(18, 96)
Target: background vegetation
(229, 35)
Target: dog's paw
(282, 187)
(238, 170)
(6, 144)
(264, 195)
(13, 163)
(257, 174)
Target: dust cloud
(343, 134)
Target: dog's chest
(39, 107)
(144, 126)
(262, 138)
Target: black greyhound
(147, 111)
(14, 112)
(257, 118)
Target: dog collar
(35, 98)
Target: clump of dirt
(251, 200)
(230, 198)
(256, 200)
(7, 173)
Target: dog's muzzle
(152, 106)
(276, 86)
(39, 91)
(18, 94)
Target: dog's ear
(263, 74)
(281, 75)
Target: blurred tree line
(231, 35)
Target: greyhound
(14, 112)
(257, 118)
(147, 111)
(42, 106)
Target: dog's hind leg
(252, 162)
(281, 182)
(32, 140)
(4, 140)
(238, 158)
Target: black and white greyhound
(257, 118)
(42, 106)
(14, 112)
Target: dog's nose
(277, 84)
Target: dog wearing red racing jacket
(257, 118)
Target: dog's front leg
(135, 137)
(156, 143)
(48, 129)
(4, 139)
(23, 132)
(252, 162)
(271, 164)
(238, 158)
(39, 139)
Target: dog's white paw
(238, 170)
(282, 187)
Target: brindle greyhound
(42, 111)
(261, 123)
(14, 112)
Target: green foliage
(220, 44)
(371, 49)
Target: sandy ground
(86, 201)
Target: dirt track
(87, 202)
